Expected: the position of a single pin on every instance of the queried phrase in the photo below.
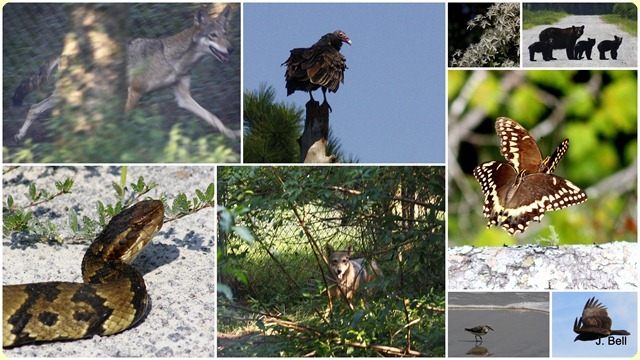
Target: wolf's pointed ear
(329, 248)
(225, 16)
(201, 17)
(349, 247)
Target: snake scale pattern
(112, 298)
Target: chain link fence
(284, 261)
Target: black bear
(541, 47)
(613, 45)
(584, 47)
(563, 38)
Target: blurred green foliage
(596, 110)
(626, 10)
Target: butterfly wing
(513, 200)
(518, 146)
(549, 164)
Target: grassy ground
(281, 309)
(238, 337)
(628, 25)
(532, 19)
(301, 331)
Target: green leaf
(123, 177)
(73, 220)
(211, 192)
(201, 195)
(118, 190)
(226, 220)
(139, 186)
(239, 275)
(181, 204)
(244, 233)
(66, 186)
(102, 213)
(32, 192)
(89, 226)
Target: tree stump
(313, 142)
(93, 68)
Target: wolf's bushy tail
(36, 81)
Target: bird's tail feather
(620, 332)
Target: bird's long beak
(348, 41)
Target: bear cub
(610, 45)
(584, 47)
(546, 48)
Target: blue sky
(622, 309)
(391, 107)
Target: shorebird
(479, 330)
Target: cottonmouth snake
(112, 298)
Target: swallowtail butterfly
(522, 189)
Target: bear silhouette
(584, 47)
(562, 39)
(541, 47)
(610, 45)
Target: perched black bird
(594, 323)
(479, 330)
(320, 65)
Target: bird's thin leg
(311, 96)
(324, 94)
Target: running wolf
(153, 64)
(348, 275)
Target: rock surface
(612, 266)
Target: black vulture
(320, 65)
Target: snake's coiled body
(112, 298)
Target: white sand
(178, 265)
